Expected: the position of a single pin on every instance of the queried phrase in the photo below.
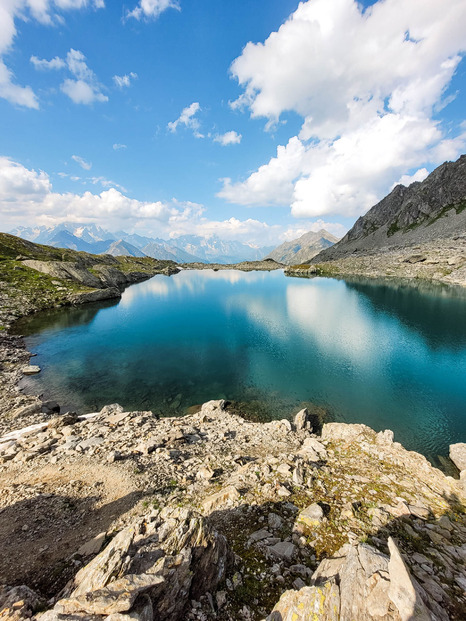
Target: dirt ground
(47, 514)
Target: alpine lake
(387, 354)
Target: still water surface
(392, 357)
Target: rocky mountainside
(304, 248)
(421, 213)
(122, 248)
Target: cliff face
(423, 212)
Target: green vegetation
(428, 221)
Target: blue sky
(253, 120)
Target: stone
(18, 603)
(309, 518)
(118, 596)
(213, 407)
(402, 591)
(274, 521)
(458, 455)
(226, 496)
(301, 420)
(283, 550)
(258, 535)
(313, 450)
(90, 443)
(315, 602)
(346, 432)
(174, 558)
(298, 475)
(385, 437)
(31, 369)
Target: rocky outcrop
(359, 584)
(266, 265)
(151, 569)
(440, 261)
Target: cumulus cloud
(46, 12)
(187, 118)
(406, 180)
(119, 147)
(84, 88)
(122, 81)
(27, 196)
(151, 9)
(48, 65)
(228, 138)
(366, 84)
(82, 162)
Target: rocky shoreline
(441, 261)
(210, 516)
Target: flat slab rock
(358, 583)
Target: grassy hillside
(24, 290)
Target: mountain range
(184, 249)
(303, 249)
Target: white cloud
(187, 118)
(119, 147)
(27, 196)
(123, 81)
(82, 162)
(46, 12)
(271, 184)
(151, 9)
(367, 86)
(48, 65)
(228, 138)
(406, 180)
(106, 183)
(85, 89)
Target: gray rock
(301, 420)
(283, 550)
(274, 521)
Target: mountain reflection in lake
(393, 357)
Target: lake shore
(442, 261)
(249, 517)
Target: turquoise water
(392, 357)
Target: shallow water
(385, 355)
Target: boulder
(31, 369)
(301, 420)
(309, 518)
(213, 407)
(458, 455)
(358, 583)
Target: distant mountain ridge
(423, 212)
(304, 248)
(185, 249)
